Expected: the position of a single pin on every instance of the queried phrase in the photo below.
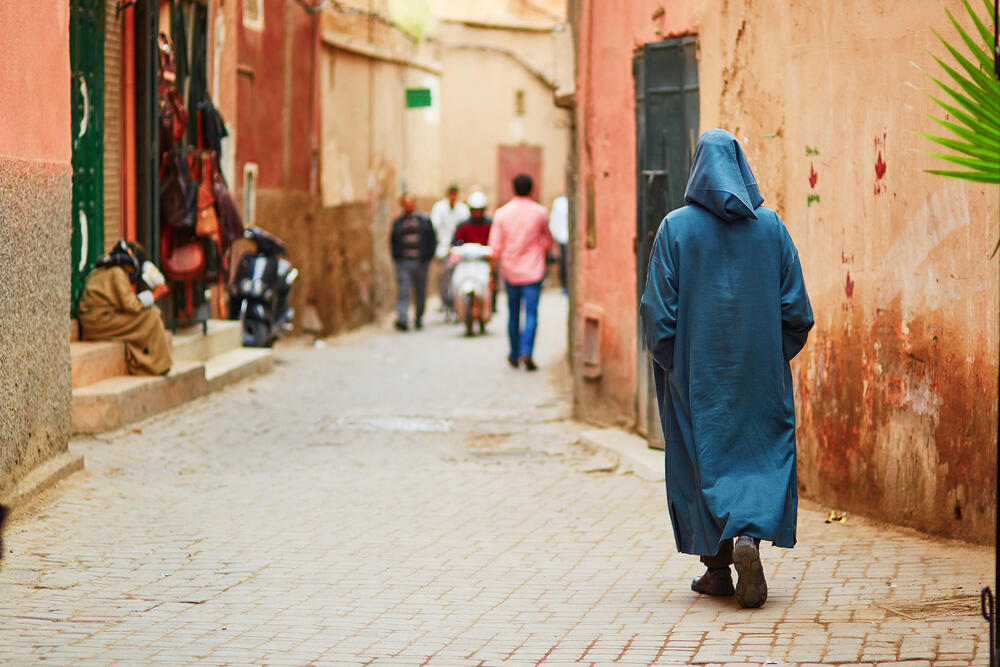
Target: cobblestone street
(408, 499)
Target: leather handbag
(181, 261)
(178, 192)
(173, 114)
(207, 225)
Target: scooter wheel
(255, 334)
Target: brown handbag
(207, 225)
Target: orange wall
(896, 391)
(34, 80)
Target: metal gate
(666, 110)
(86, 48)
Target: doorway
(514, 160)
(666, 114)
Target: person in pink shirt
(521, 241)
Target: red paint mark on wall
(879, 166)
(813, 176)
(849, 286)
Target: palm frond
(974, 103)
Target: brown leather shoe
(751, 588)
(717, 581)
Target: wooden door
(514, 160)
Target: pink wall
(608, 34)
(34, 80)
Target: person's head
(523, 185)
(477, 205)
(452, 194)
(408, 203)
(129, 255)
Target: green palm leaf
(970, 85)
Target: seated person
(117, 304)
(477, 228)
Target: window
(250, 193)
(253, 14)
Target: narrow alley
(409, 499)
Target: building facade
(896, 390)
(504, 64)
(36, 175)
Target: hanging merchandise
(178, 191)
(208, 220)
(173, 113)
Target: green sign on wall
(418, 97)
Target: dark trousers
(522, 341)
(444, 284)
(722, 559)
(411, 275)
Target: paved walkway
(409, 499)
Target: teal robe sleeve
(659, 302)
(796, 311)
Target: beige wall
(897, 388)
(484, 68)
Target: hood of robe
(721, 180)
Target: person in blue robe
(724, 310)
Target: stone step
(116, 401)
(235, 365)
(96, 361)
(197, 344)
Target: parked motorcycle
(258, 293)
(470, 285)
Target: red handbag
(183, 262)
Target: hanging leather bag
(178, 192)
(208, 222)
(230, 221)
(173, 114)
(182, 261)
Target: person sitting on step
(117, 305)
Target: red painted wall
(267, 121)
(34, 80)
(608, 34)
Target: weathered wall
(604, 276)
(897, 388)
(371, 146)
(484, 70)
(331, 247)
(35, 204)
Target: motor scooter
(470, 285)
(258, 293)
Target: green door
(86, 49)
(666, 108)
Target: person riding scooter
(472, 280)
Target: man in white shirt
(446, 215)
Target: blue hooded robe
(724, 310)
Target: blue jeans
(522, 342)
